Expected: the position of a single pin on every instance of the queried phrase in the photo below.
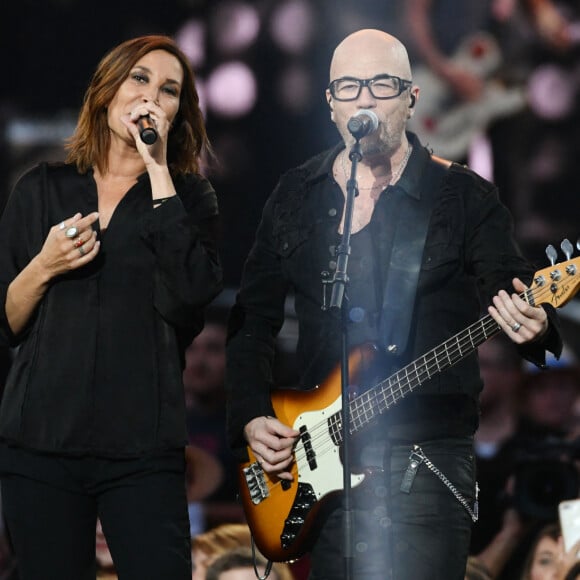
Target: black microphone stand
(339, 283)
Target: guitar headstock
(558, 283)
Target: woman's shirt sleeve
(182, 234)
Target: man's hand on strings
(518, 319)
(272, 443)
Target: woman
(547, 559)
(106, 263)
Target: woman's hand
(69, 245)
(156, 153)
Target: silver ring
(72, 232)
(81, 250)
(62, 226)
(516, 326)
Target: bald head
(368, 52)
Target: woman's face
(156, 80)
(544, 564)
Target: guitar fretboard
(389, 392)
(368, 406)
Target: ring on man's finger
(78, 242)
(81, 250)
(516, 326)
(61, 226)
(72, 232)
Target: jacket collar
(409, 180)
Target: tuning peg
(552, 254)
(567, 248)
(578, 244)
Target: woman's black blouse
(98, 368)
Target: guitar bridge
(256, 482)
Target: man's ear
(329, 101)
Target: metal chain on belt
(474, 513)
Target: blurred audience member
(206, 547)
(547, 559)
(203, 378)
(499, 86)
(475, 48)
(239, 564)
(203, 475)
(490, 562)
(530, 468)
(501, 372)
(547, 398)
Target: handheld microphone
(147, 130)
(363, 123)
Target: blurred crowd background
(262, 68)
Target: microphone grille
(372, 116)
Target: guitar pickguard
(318, 452)
(293, 524)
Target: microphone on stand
(147, 130)
(363, 123)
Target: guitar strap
(406, 259)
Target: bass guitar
(281, 513)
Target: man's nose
(365, 99)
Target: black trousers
(420, 535)
(51, 513)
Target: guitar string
(416, 373)
(454, 350)
(359, 402)
(487, 328)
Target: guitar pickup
(307, 443)
(256, 482)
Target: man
(410, 522)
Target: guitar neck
(380, 398)
(555, 285)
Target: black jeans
(141, 504)
(420, 535)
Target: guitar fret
(387, 393)
(424, 363)
(447, 353)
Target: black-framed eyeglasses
(381, 87)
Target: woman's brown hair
(187, 139)
(552, 531)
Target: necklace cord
(394, 177)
